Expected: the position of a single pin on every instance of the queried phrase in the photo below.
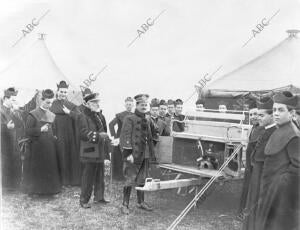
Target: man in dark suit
(137, 144)
(93, 151)
(116, 159)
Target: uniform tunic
(279, 193)
(257, 162)
(67, 141)
(117, 159)
(137, 135)
(42, 172)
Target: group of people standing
(50, 142)
(270, 196)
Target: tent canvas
(275, 70)
(35, 70)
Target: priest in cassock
(280, 204)
(265, 119)
(253, 137)
(9, 155)
(42, 175)
(65, 120)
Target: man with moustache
(280, 188)
(65, 121)
(265, 119)
(94, 151)
(117, 159)
(137, 144)
(253, 137)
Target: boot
(126, 198)
(141, 201)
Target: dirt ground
(19, 211)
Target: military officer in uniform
(117, 159)
(136, 141)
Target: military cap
(141, 98)
(10, 92)
(286, 98)
(154, 104)
(265, 103)
(62, 84)
(91, 97)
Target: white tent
(274, 69)
(34, 70)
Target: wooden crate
(164, 150)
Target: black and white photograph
(150, 115)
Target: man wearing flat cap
(159, 121)
(137, 145)
(280, 187)
(265, 119)
(65, 121)
(117, 159)
(94, 151)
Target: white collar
(43, 108)
(270, 126)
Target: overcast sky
(189, 39)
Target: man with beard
(65, 121)
(178, 123)
(117, 159)
(253, 137)
(136, 142)
(93, 152)
(265, 119)
(280, 188)
(10, 159)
